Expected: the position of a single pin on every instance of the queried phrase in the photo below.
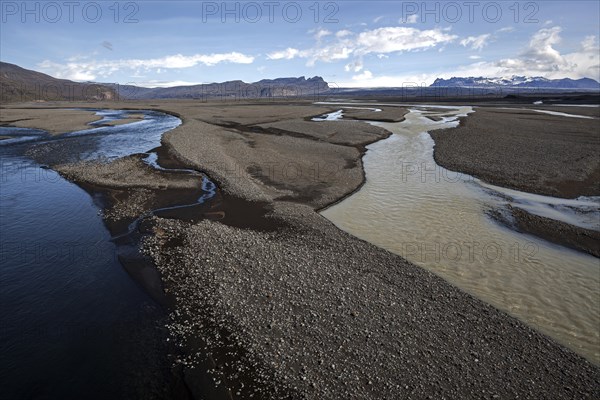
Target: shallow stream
(439, 219)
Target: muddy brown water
(438, 219)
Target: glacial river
(74, 324)
(439, 219)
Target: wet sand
(55, 121)
(310, 311)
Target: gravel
(320, 314)
(525, 150)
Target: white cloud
(590, 44)
(356, 66)
(506, 29)
(162, 84)
(85, 70)
(412, 19)
(376, 20)
(396, 39)
(382, 56)
(542, 58)
(321, 33)
(367, 79)
(474, 57)
(539, 58)
(286, 54)
(379, 41)
(364, 76)
(476, 42)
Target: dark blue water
(74, 324)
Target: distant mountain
(20, 84)
(519, 82)
(266, 88)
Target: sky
(348, 43)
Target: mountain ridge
(264, 88)
(517, 81)
(21, 84)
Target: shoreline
(302, 229)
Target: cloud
(364, 76)
(376, 20)
(162, 84)
(356, 66)
(367, 79)
(542, 58)
(396, 39)
(286, 54)
(506, 29)
(476, 42)
(91, 69)
(412, 19)
(321, 33)
(346, 44)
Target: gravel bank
(323, 315)
(568, 235)
(126, 173)
(55, 121)
(525, 150)
(349, 133)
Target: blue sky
(348, 43)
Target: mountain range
(20, 84)
(537, 82)
(265, 88)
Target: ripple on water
(438, 219)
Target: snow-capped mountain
(518, 81)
